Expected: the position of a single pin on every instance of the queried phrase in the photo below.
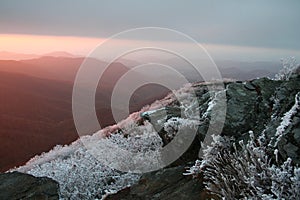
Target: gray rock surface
(16, 185)
(164, 184)
(159, 117)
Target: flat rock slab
(16, 185)
(162, 185)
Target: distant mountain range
(5, 55)
(240, 70)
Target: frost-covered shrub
(79, 174)
(195, 170)
(136, 143)
(289, 66)
(82, 175)
(246, 171)
(286, 120)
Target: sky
(229, 29)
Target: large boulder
(16, 185)
(249, 106)
(164, 184)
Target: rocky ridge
(258, 106)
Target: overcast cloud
(252, 23)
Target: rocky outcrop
(16, 185)
(159, 117)
(258, 105)
(249, 106)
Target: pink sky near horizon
(42, 44)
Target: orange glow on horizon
(40, 44)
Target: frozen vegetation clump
(246, 171)
(289, 66)
(286, 119)
(79, 174)
(82, 175)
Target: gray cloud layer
(247, 23)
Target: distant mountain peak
(60, 54)
(6, 55)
